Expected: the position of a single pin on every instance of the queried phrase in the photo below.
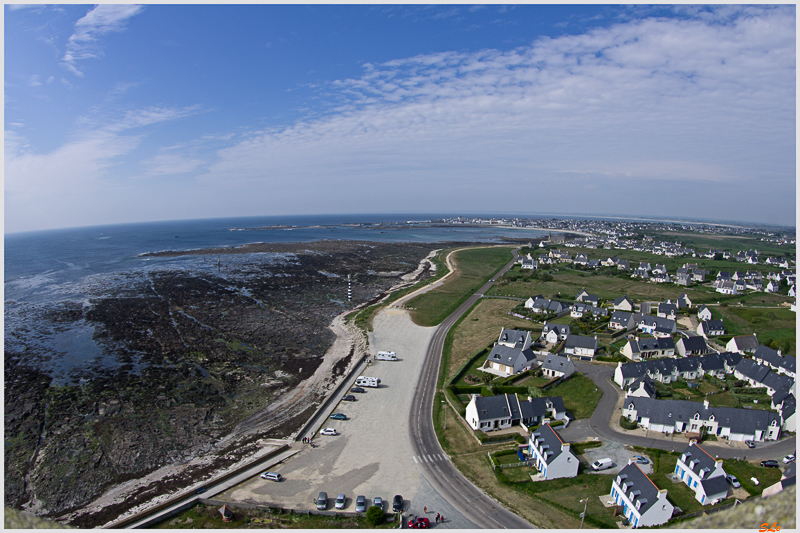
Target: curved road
(446, 479)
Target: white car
(328, 431)
(788, 459)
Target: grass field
(579, 393)
(481, 327)
(767, 323)
(474, 266)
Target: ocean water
(46, 269)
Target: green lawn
(744, 470)
(579, 393)
(568, 493)
(475, 267)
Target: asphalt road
(443, 476)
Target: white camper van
(364, 381)
(386, 356)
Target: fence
(708, 511)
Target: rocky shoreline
(205, 366)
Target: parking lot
(372, 453)
(619, 454)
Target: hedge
(627, 424)
(749, 391)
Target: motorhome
(364, 381)
(386, 356)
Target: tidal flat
(170, 365)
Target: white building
(643, 504)
(703, 474)
(552, 456)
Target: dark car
(397, 504)
(349, 398)
(357, 389)
(770, 463)
(338, 416)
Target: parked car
(569, 416)
(789, 458)
(419, 523)
(377, 501)
(361, 504)
(730, 478)
(750, 444)
(397, 504)
(322, 501)
(770, 463)
(341, 499)
(349, 398)
(357, 389)
(641, 460)
(272, 476)
(201, 490)
(338, 416)
(328, 431)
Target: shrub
(520, 439)
(627, 424)
(375, 515)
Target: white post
(583, 514)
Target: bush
(520, 439)
(627, 424)
(375, 515)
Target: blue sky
(124, 113)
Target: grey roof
(580, 341)
(556, 362)
(789, 407)
(752, 370)
(712, 362)
(490, 407)
(660, 323)
(668, 309)
(621, 317)
(513, 357)
(560, 329)
(743, 421)
(647, 344)
(694, 344)
(618, 301)
(702, 459)
(637, 487)
(746, 342)
(646, 383)
(514, 336)
(547, 441)
(715, 485)
(713, 325)
(771, 357)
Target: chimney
(630, 460)
(779, 353)
(705, 403)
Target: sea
(45, 268)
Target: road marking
(415, 459)
(429, 458)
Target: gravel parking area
(619, 454)
(372, 455)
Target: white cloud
(102, 19)
(678, 101)
(171, 164)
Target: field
(474, 268)
(482, 326)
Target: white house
(703, 313)
(488, 413)
(555, 333)
(556, 366)
(645, 348)
(623, 304)
(581, 346)
(711, 328)
(692, 346)
(743, 344)
(643, 504)
(703, 474)
(551, 455)
(513, 338)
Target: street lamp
(444, 412)
(583, 514)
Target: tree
(486, 378)
(787, 346)
(375, 515)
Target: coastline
(308, 395)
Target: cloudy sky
(123, 113)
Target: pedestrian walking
(425, 510)
(437, 518)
